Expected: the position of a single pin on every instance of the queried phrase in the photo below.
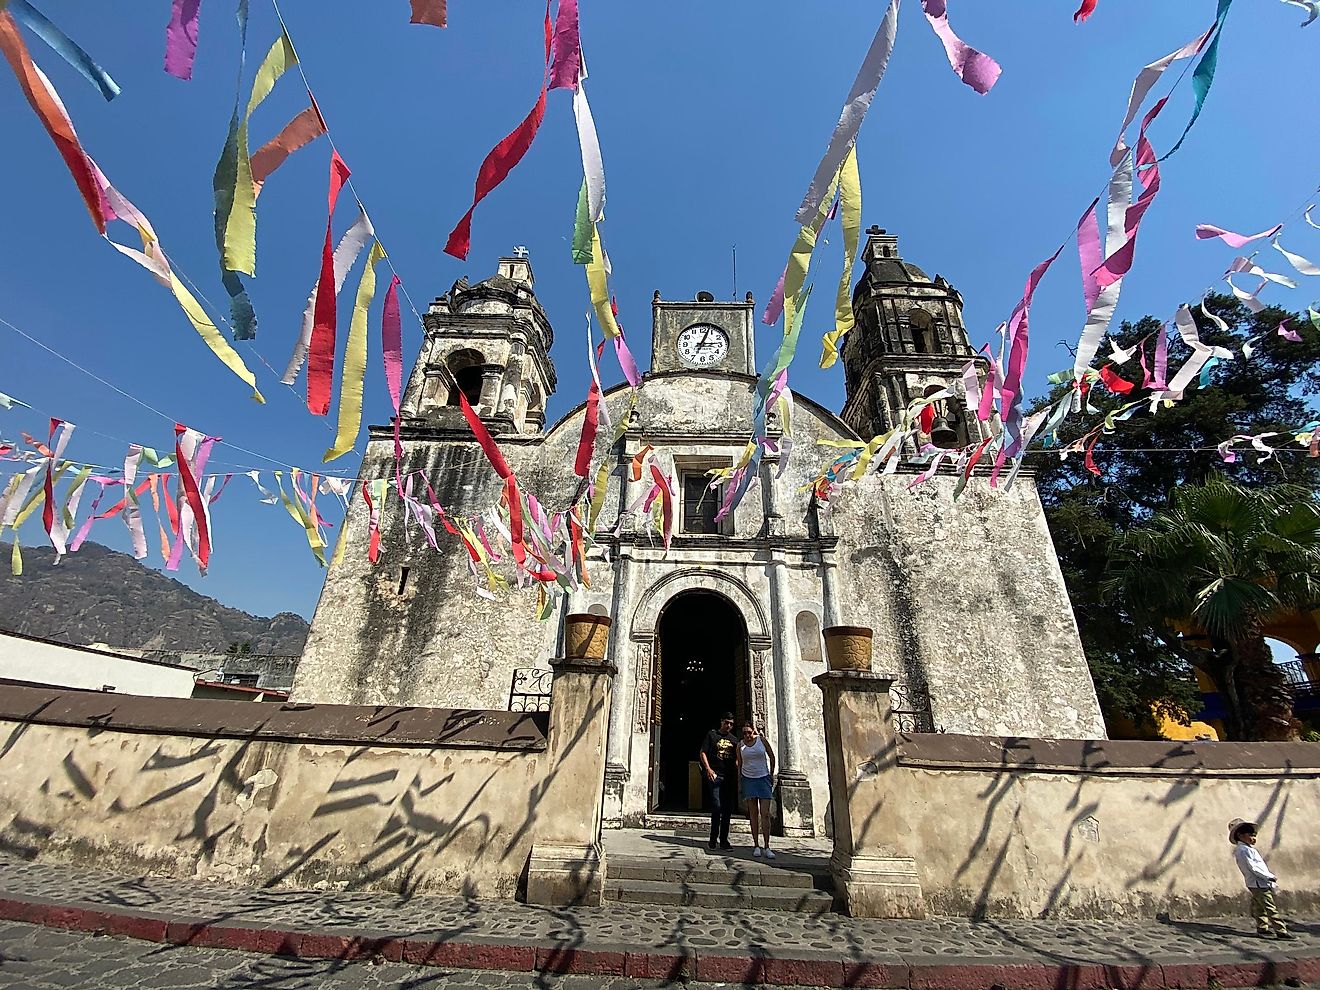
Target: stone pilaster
(567, 861)
(796, 815)
(871, 873)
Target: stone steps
(803, 900)
(719, 882)
(696, 822)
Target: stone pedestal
(871, 874)
(567, 862)
(795, 806)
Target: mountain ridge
(99, 595)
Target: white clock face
(702, 345)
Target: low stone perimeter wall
(343, 796)
(1018, 828)
(1029, 827)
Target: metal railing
(530, 690)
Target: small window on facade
(242, 680)
(700, 504)
(808, 637)
(403, 580)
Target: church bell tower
(909, 342)
(491, 342)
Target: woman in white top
(756, 771)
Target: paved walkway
(661, 943)
(35, 958)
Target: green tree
(1138, 668)
(1221, 562)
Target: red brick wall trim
(372, 725)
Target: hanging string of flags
(548, 548)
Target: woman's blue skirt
(756, 787)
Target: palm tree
(1224, 560)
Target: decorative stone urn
(585, 636)
(848, 647)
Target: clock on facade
(702, 345)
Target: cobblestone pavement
(34, 958)
(735, 932)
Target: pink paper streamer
(1091, 254)
(1161, 358)
(775, 307)
(1119, 263)
(976, 69)
(1147, 78)
(181, 38)
(1011, 392)
(391, 338)
(1206, 231)
(568, 47)
(626, 361)
(1287, 333)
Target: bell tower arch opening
(703, 670)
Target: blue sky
(712, 118)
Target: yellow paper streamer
(214, 339)
(600, 290)
(240, 251)
(850, 207)
(301, 517)
(355, 361)
(38, 497)
(799, 259)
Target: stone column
(488, 402)
(795, 807)
(567, 861)
(870, 873)
(829, 588)
(621, 651)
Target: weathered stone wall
(1024, 828)
(964, 596)
(264, 795)
(968, 593)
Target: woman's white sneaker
(756, 851)
(769, 853)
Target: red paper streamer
(55, 120)
(502, 158)
(373, 545)
(1090, 460)
(927, 418)
(321, 353)
(1084, 11)
(1115, 383)
(194, 497)
(488, 446)
(430, 12)
(48, 507)
(587, 442)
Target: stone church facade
(966, 598)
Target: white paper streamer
(592, 165)
(350, 246)
(1147, 78)
(1102, 313)
(854, 110)
(1296, 260)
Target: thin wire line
(445, 375)
(145, 405)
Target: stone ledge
(893, 971)
(373, 725)
(1117, 757)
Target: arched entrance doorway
(702, 671)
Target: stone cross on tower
(520, 251)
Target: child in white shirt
(1260, 881)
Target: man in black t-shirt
(718, 762)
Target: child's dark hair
(1246, 828)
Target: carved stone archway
(644, 627)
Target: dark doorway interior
(703, 672)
